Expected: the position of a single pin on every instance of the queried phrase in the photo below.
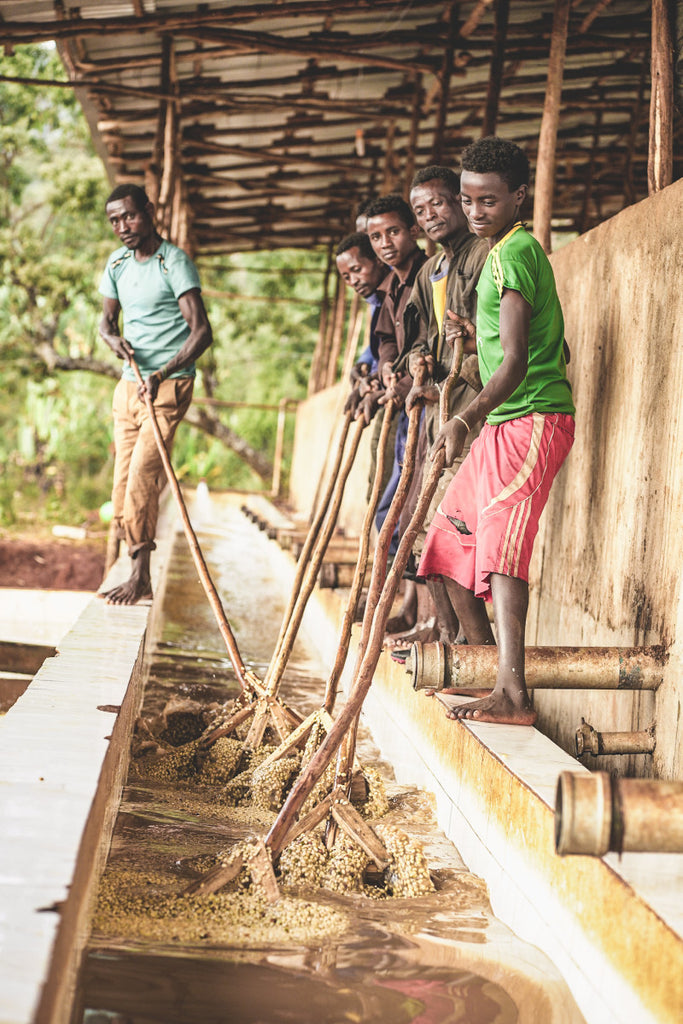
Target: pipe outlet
(589, 741)
(596, 813)
(460, 666)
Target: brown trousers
(138, 470)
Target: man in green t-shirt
(481, 538)
(165, 328)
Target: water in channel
(436, 959)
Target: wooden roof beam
(308, 46)
(169, 22)
(192, 26)
(263, 155)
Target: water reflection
(433, 960)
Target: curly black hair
(497, 156)
(357, 240)
(445, 174)
(392, 203)
(136, 193)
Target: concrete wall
(606, 567)
(316, 442)
(608, 562)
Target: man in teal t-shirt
(165, 328)
(482, 535)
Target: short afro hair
(357, 240)
(392, 203)
(445, 174)
(497, 156)
(136, 193)
(362, 207)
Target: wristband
(456, 417)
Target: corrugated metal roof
(287, 114)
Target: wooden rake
(266, 708)
(336, 806)
(322, 716)
(249, 682)
(286, 826)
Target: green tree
(54, 241)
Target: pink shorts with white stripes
(488, 519)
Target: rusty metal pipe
(439, 666)
(595, 813)
(589, 741)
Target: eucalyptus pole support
(500, 31)
(314, 376)
(445, 82)
(409, 170)
(355, 326)
(588, 189)
(324, 354)
(389, 180)
(660, 149)
(547, 139)
(330, 370)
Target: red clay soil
(51, 565)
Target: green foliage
(55, 444)
(264, 342)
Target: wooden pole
(361, 564)
(357, 318)
(365, 669)
(319, 513)
(409, 169)
(316, 362)
(389, 182)
(502, 16)
(660, 151)
(279, 660)
(246, 679)
(330, 369)
(588, 186)
(547, 139)
(445, 82)
(632, 144)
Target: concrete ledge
(64, 749)
(39, 616)
(616, 940)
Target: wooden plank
(348, 818)
(218, 877)
(280, 719)
(310, 820)
(258, 726)
(292, 741)
(227, 727)
(262, 874)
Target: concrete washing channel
(607, 926)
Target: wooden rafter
(255, 129)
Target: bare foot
(139, 585)
(423, 633)
(498, 707)
(130, 592)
